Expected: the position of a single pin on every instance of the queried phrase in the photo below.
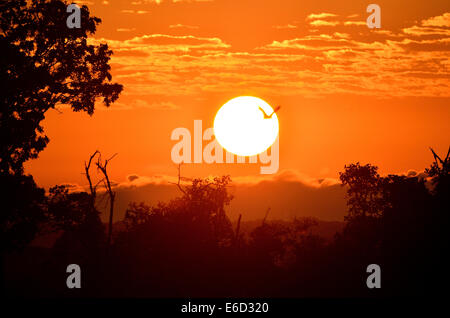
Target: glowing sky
(348, 93)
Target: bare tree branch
(178, 184)
(87, 166)
(107, 183)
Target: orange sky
(348, 93)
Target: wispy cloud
(84, 2)
(125, 29)
(317, 19)
(420, 30)
(360, 23)
(337, 59)
(182, 26)
(286, 26)
(438, 25)
(440, 20)
(323, 15)
(326, 196)
(324, 23)
(135, 11)
(141, 103)
(141, 2)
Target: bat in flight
(269, 116)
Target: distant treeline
(189, 247)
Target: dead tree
(102, 166)
(92, 188)
(180, 178)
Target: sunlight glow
(240, 126)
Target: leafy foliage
(364, 190)
(68, 211)
(45, 64)
(200, 211)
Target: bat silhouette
(269, 116)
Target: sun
(246, 126)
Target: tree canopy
(45, 64)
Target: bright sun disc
(240, 126)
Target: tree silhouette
(70, 211)
(400, 222)
(73, 214)
(174, 245)
(363, 192)
(202, 207)
(103, 167)
(23, 208)
(45, 64)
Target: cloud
(135, 11)
(323, 23)
(166, 42)
(318, 19)
(132, 177)
(286, 175)
(73, 187)
(175, 1)
(136, 3)
(420, 31)
(85, 2)
(182, 26)
(140, 103)
(440, 20)
(395, 57)
(287, 26)
(323, 15)
(438, 25)
(125, 29)
(160, 1)
(289, 194)
(341, 35)
(358, 23)
(337, 60)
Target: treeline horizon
(188, 247)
